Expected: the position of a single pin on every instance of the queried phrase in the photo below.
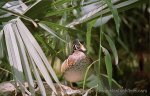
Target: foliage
(33, 30)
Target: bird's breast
(76, 72)
(75, 66)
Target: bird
(74, 67)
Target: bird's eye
(77, 47)
(82, 42)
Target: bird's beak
(82, 47)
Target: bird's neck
(78, 51)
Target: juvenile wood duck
(74, 67)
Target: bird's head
(78, 46)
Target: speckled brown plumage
(74, 67)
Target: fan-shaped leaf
(13, 55)
(32, 47)
(1, 44)
(37, 76)
(24, 60)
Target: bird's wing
(89, 60)
(67, 63)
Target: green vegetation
(36, 37)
